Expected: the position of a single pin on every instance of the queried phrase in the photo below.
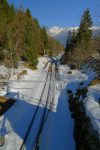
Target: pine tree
(30, 52)
(4, 2)
(45, 39)
(82, 49)
(3, 26)
(28, 13)
(36, 22)
(68, 42)
(11, 13)
(71, 42)
(84, 33)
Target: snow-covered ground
(58, 129)
(92, 105)
(92, 101)
(41, 62)
(14, 123)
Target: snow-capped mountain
(61, 34)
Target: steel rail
(34, 81)
(34, 116)
(44, 119)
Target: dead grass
(2, 140)
(23, 72)
(94, 82)
(27, 65)
(3, 99)
(2, 77)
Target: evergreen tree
(4, 3)
(3, 26)
(71, 42)
(28, 13)
(68, 42)
(82, 49)
(37, 36)
(11, 13)
(80, 43)
(84, 33)
(36, 22)
(45, 39)
(30, 52)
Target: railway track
(47, 111)
(44, 114)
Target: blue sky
(62, 13)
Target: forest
(22, 38)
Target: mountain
(61, 34)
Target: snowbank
(92, 105)
(92, 100)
